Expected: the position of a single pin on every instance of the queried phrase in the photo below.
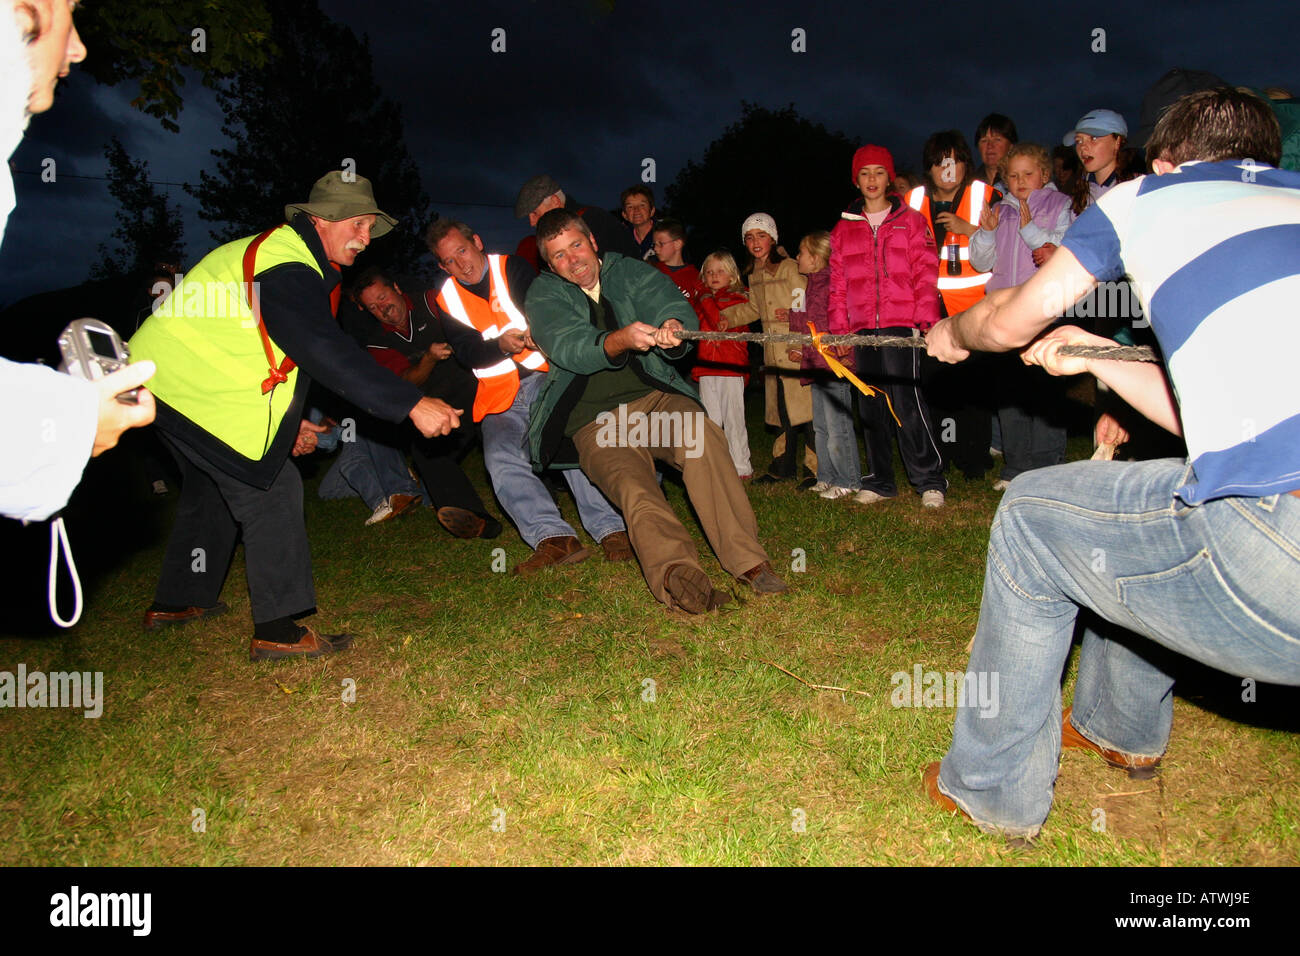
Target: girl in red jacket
(884, 281)
(722, 368)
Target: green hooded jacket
(561, 318)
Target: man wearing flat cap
(541, 194)
(237, 344)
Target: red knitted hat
(872, 156)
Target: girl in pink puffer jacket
(884, 281)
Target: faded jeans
(519, 488)
(369, 469)
(838, 462)
(1218, 582)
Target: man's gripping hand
(306, 441)
(637, 337)
(941, 344)
(434, 417)
(1046, 350)
(513, 341)
(666, 336)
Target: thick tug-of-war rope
(1117, 353)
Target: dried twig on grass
(842, 690)
(1129, 793)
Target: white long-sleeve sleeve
(983, 250)
(47, 432)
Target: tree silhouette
(313, 107)
(771, 161)
(152, 42)
(149, 228)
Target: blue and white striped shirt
(1213, 250)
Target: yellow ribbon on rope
(838, 368)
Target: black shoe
(807, 483)
(769, 479)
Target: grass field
(568, 718)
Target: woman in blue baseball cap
(1097, 138)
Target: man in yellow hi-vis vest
(237, 343)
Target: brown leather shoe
(311, 644)
(930, 783)
(404, 504)
(689, 587)
(1139, 768)
(618, 547)
(564, 549)
(156, 619)
(764, 580)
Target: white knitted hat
(760, 220)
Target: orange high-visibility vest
(959, 292)
(497, 384)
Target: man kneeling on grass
(1201, 556)
(612, 405)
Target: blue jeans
(1215, 582)
(838, 463)
(520, 490)
(369, 469)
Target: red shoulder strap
(277, 375)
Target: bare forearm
(978, 330)
(1144, 386)
(419, 373)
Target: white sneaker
(1001, 484)
(837, 491)
(867, 497)
(820, 487)
(932, 499)
(995, 452)
(383, 511)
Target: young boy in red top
(669, 241)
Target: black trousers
(214, 511)
(438, 462)
(897, 373)
(962, 401)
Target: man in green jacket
(612, 405)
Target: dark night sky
(586, 94)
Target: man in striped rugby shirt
(1200, 557)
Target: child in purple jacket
(1016, 236)
(839, 469)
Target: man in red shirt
(409, 341)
